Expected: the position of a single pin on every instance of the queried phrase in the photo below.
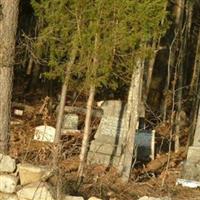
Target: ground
(152, 179)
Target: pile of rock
(25, 181)
(28, 182)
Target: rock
(7, 164)
(29, 173)
(4, 196)
(8, 183)
(94, 198)
(154, 198)
(35, 191)
(68, 197)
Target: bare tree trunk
(85, 142)
(8, 29)
(155, 48)
(84, 148)
(59, 123)
(182, 29)
(132, 115)
(195, 74)
(150, 70)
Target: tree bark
(84, 148)
(59, 122)
(8, 29)
(132, 115)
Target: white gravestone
(44, 133)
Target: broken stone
(8, 183)
(7, 164)
(18, 112)
(68, 197)
(94, 198)
(188, 183)
(35, 191)
(29, 173)
(4, 196)
(44, 133)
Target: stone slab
(191, 168)
(70, 122)
(197, 131)
(35, 191)
(7, 164)
(29, 173)
(188, 183)
(4, 196)
(44, 133)
(103, 159)
(105, 148)
(193, 155)
(8, 183)
(94, 198)
(68, 197)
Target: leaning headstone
(44, 133)
(70, 122)
(106, 147)
(7, 164)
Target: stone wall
(25, 181)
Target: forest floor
(146, 180)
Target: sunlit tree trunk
(132, 115)
(8, 29)
(85, 142)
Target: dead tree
(132, 115)
(8, 29)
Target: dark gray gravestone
(145, 145)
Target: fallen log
(161, 161)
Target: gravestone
(70, 122)
(106, 148)
(191, 170)
(145, 145)
(44, 133)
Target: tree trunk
(132, 116)
(59, 122)
(84, 148)
(172, 60)
(8, 29)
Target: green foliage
(108, 36)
